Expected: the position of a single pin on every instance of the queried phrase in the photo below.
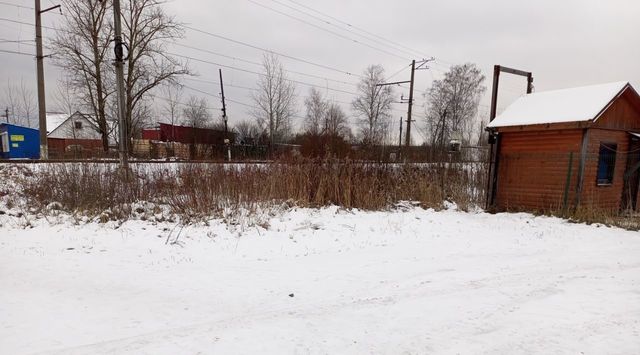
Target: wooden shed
(568, 148)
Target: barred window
(606, 163)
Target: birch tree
(316, 108)
(373, 106)
(453, 105)
(275, 100)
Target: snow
(54, 120)
(408, 281)
(560, 106)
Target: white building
(76, 126)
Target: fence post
(565, 200)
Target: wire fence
(606, 181)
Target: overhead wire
(327, 67)
(326, 30)
(325, 21)
(260, 64)
(355, 27)
(16, 52)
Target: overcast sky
(564, 43)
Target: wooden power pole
(224, 104)
(224, 117)
(42, 106)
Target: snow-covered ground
(323, 281)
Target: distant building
(19, 142)
(72, 135)
(569, 148)
(187, 135)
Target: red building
(569, 148)
(187, 135)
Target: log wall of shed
(534, 167)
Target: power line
(257, 73)
(19, 41)
(22, 6)
(231, 100)
(231, 57)
(246, 88)
(218, 83)
(326, 30)
(274, 52)
(357, 28)
(260, 64)
(16, 5)
(181, 103)
(324, 21)
(14, 52)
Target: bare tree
(453, 105)
(28, 103)
(316, 112)
(82, 51)
(196, 113)
(173, 95)
(275, 100)
(373, 105)
(147, 29)
(247, 132)
(336, 123)
(66, 96)
(11, 102)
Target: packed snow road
(322, 282)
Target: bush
(206, 190)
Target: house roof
(560, 106)
(55, 120)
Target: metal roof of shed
(560, 106)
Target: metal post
(119, 63)
(42, 107)
(410, 109)
(494, 152)
(6, 114)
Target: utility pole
(494, 140)
(400, 140)
(421, 65)
(224, 104)
(224, 116)
(6, 114)
(119, 63)
(407, 142)
(42, 107)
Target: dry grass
(199, 191)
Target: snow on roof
(559, 106)
(54, 120)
